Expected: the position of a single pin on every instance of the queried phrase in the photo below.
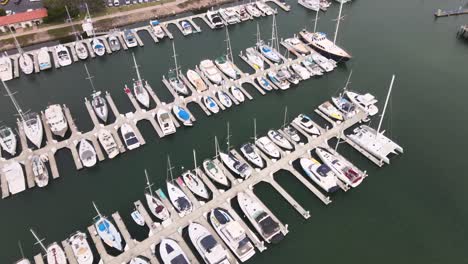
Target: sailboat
(174, 80)
(139, 90)
(238, 167)
(6, 68)
(211, 104)
(224, 98)
(23, 260)
(156, 206)
(40, 171)
(289, 130)
(80, 47)
(373, 140)
(249, 151)
(107, 231)
(25, 61)
(31, 122)
(182, 114)
(215, 172)
(178, 198)
(225, 63)
(271, 52)
(80, 248)
(114, 42)
(137, 218)
(87, 153)
(8, 140)
(193, 182)
(237, 93)
(96, 43)
(98, 102)
(209, 249)
(43, 58)
(54, 253)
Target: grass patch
(60, 32)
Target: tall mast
(386, 102)
(148, 184)
(216, 147)
(227, 138)
(136, 68)
(348, 80)
(175, 60)
(315, 21)
(195, 161)
(285, 116)
(90, 78)
(89, 18)
(274, 34)
(71, 21)
(228, 46)
(39, 241)
(97, 210)
(255, 130)
(18, 47)
(169, 167)
(13, 100)
(338, 22)
(21, 249)
(258, 34)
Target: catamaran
(183, 115)
(279, 139)
(257, 214)
(297, 45)
(139, 90)
(196, 80)
(63, 55)
(343, 169)
(179, 199)
(307, 125)
(155, 205)
(232, 233)
(237, 93)
(87, 153)
(165, 122)
(108, 143)
(6, 68)
(174, 79)
(211, 104)
(209, 249)
(214, 19)
(43, 58)
(157, 29)
(254, 59)
(56, 120)
(209, 69)
(365, 102)
(14, 175)
(107, 231)
(80, 248)
(40, 171)
(129, 38)
(224, 98)
(186, 27)
(215, 172)
(54, 253)
(8, 140)
(171, 252)
(253, 10)
(331, 111)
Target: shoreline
(106, 22)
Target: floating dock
(446, 13)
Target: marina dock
(446, 13)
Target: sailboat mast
(39, 241)
(386, 102)
(90, 78)
(136, 68)
(338, 22)
(255, 129)
(148, 184)
(72, 25)
(13, 100)
(21, 249)
(169, 167)
(285, 116)
(18, 47)
(274, 32)
(227, 137)
(97, 210)
(175, 60)
(228, 46)
(258, 34)
(195, 161)
(315, 21)
(216, 147)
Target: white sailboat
(232, 233)
(211, 72)
(271, 52)
(114, 42)
(249, 151)
(25, 61)
(178, 198)
(257, 214)
(137, 218)
(211, 104)
(264, 83)
(193, 181)
(215, 172)
(56, 120)
(237, 93)
(108, 143)
(107, 231)
(31, 122)
(54, 253)
(96, 44)
(209, 249)
(171, 252)
(87, 153)
(80, 47)
(43, 58)
(6, 68)
(225, 63)
(139, 90)
(174, 79)
(14, 176)
(165, 122)
(289, 130)
(129, 136)
(279, 139)
(40, 171)
(373, 140)
(8, 140)
(63, 55)
(80, 248)
(98, 103)
(240, 168)
(224, 98)
(196, 80)
(155, 205)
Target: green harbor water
(411, 211)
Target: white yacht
(343, 169)
(269, 52)
(237, 93)
(345, 106)
(323, 62)
(313, 68)
(263, 7)
(227, 67)
(98, 47)
(313, 5)
(80, 248)
(250, 153)
(232, 233)
(14, 176)
(139, 260)
(129, 136)
(157, 29)
(215, 172)
(297, 45)
(40, 171)
(8, 140)
(183, 115)
(215, 19)
(171, 252)
(253, 10)
(303, 73)
(165, 122)
(25, 63)
(279, 139)
(55, 254)
(138, 218)
(320, 174)
(209, 249)
(284, 73)
(264, 83)
(331, 111)
(33, 129)
(257, 214)
(256, 61)
(322, 44)
(56, 120)
(224, 98)
(235, 165)
(129, 38)
(211, 104)
(87, 153)
(211, 72)
(179, 199)
(278, 79)
(186, 27)
(267, 146)
(108, 143)
(195, 184)
(43, 58)
(243, 14)
(307, 125)
(364, 101)
(81, 50)
(292, 133)
(114, 42)
(229, 15)
(63, 55)
(107, 231)
(6, 68)
(196, 80)
(100, 106)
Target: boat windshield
(323, 170)
(268, 225)
(208, 243)
(179, 259)
(183, 204)
(221, 216)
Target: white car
(127, 2)
(116, 2)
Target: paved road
(22, 6)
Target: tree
(2, 12)
(56, 11)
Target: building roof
(23, 17)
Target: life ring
(4, 2)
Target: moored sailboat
(139, 89)
(156, 206)
(107, 231)
(40, 171)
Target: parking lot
(17, 6)
(111, 3)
